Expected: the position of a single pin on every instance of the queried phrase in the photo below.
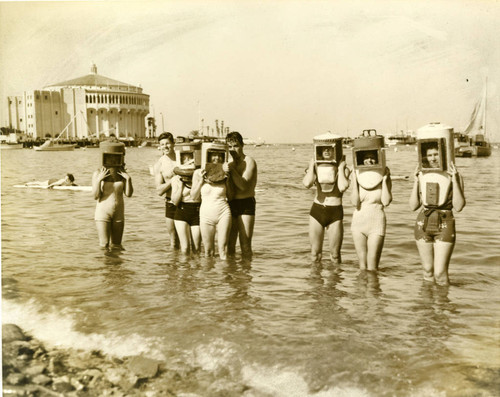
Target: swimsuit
(369, 219)
(327, 214)
(189, 213)
(110, 206)
(169, 208)
(214, 205)
(435, 225)
(244, 206)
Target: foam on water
(57, 330)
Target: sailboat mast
(485, 105)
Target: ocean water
(277, 323)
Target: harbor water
(277, 324)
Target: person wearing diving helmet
(187, 212)
(438, 189)
(109, 184)
(210, 183)
(328, 172)
(371, 192)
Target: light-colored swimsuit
(111, 206)
(214, 205)
(370, 218)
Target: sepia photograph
(228, 198)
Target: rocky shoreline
(29, 369)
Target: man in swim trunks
(164, 171)
(243, 177)
(327, 212)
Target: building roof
(96, 80)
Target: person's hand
(452, 170)
(102, 173)
(124, 175)
(226, 167)
(417, 171)
(387, 173)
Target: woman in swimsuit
(214, 211)
(368, 220)
(109, 184)
(435, 225)
(327, 212)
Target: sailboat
(474, 140)
(55, 145)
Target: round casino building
(91, 106)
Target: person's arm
(386, 197)
(196, 185)
(163, 184)
(97, 178)
(248, 179)
(57, 183)
(310, 176)
(355, 191)
(129, 189)
(343, 177)
(415, 193)
(177, 186)
(458, 189)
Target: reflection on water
(321, 327)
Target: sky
(281, 71)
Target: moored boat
(52, 145)
(474, 142)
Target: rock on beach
(30, 369)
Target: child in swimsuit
(214, 212)
(109, 184)
(327, 212)
(368, 220)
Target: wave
(58, 330)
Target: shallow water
(277, 323)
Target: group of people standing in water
(202, 204)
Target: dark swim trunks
(245, 206)
(189, 213)
(435, 225)
(169, 209)
(327, 214)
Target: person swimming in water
(368, 220)
(435, 224)
(215, 213)
(327, 212)
(68, 180)
(109, 184)
(163, 173)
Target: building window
(56, 113)
(37, 96)
(45, 97)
